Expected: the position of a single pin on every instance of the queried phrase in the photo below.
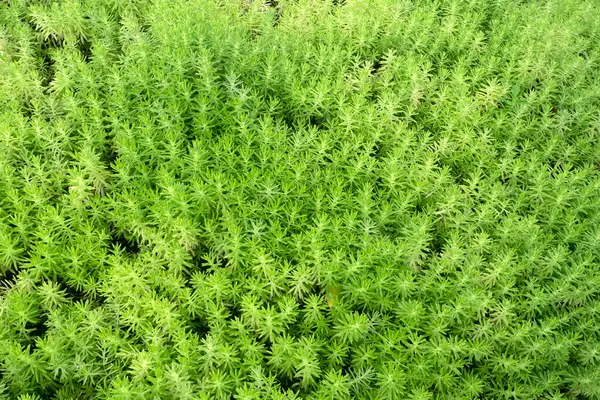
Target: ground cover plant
(385, 199)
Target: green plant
(299, 199)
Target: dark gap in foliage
(270, 5)
(567, 391)
(9, 277)
(47, 69)
(418, 122)
(37, 329)
(339, 2)
(27, 108)
(376, 67)
(438, 240)
(47, 65)
(235, 311)
(326, 160)
(75, 294)
(373, 93)
(122, 242)
(287, 120)
(64, 189)
(198, 265)
(317, 289)
(199, 327)
(119, 240)
(455, 172)
(48, 394)
(109, 154)
(286, 383)
(376, 153)
(533, 87)
(420, 205)
(503, 180)
(346, 366)
(187, 115)
(274, 4)
(485, 25)
(471, 367)
(255, 33)
(85, 48)
(198, 261)
(145, 27)
(317, 121)
(205, 265)
(109, 157)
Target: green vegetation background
(385, 199)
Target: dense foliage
(384, 199)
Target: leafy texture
(299, 199)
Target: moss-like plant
(299, 199)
